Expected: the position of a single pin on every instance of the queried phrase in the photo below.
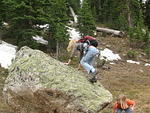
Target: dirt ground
(121, 77)
(133, 80)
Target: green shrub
(139, 36)
(136, 36)
(132, 54)
(29, 42)
(147, 51)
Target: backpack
(89, 40)
(86, 39)
(86, 42)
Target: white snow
(5, 24)
(43, 26)
(133, 62)
(144, 1)
(105, 54)
(109, 55)
(112, 63)
(40, 39)
(73, 33)
(147, 64)
(7, 53)
(81, 2)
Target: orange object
(128, 101)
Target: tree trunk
(51, 47)
(111, 31)
(129, 14)
(57, 49)
(0, 37)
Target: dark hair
(94, 43)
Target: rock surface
(37, 83)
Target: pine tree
(1, 14)
(24, 16)
(86, 21)
(57, 22)
(75, 4)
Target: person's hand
(66, 63)
(132, 108)
(69, 61)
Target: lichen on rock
(38, 83)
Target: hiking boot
(93, 79)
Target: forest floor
(133, 80)
(121, 77)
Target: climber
(87, 48)
(80, 45)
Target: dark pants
(128, 110)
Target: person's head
(71, 44)
(122, 101)
(94, 43)
(121, 97)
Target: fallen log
(114, 32)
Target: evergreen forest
(24, 16)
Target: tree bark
(129, 14)
(57, 49)
(0, 37)
(111, 31)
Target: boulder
(38, 83)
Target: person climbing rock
(80, 45)
(87, 46)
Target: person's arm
(85, 46)
(69, 61)
(131, 104)
(72, 54)
(114, 107)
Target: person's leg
(119, 110)
(85, 63)
(87, 59)
(128, 110)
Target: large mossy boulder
(37, 83)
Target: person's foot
(93, 79)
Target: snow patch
(81, 2)
(109, 55)
(133, 62)
(43, 26)
(112, 63)
(147, 64)
(73, 33)
(5, 24)
(144, 1)
(7, 53)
